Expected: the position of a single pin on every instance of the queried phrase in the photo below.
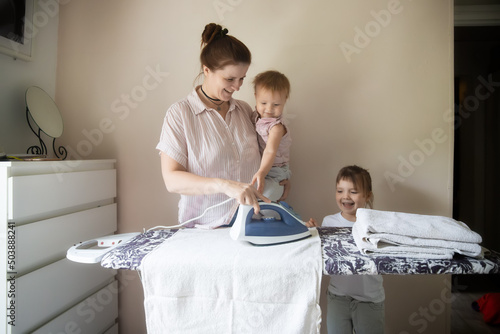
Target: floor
(464, 320)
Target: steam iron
(92, 251)
(276, 224)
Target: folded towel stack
(384, 233)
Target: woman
(208, 145)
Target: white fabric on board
(202, 281)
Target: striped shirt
(204, 143)
(263, 127)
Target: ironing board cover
(340, 257)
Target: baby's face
(269, 104)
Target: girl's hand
(312, 223)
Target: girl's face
(222, 83)
(349, 199)
(269, 104)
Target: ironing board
(340, 257)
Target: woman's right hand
(178, 180)
(244, 193)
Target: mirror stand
(42, 149)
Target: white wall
(374, 111)
(17, 75)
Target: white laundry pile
(385, 233)
(202, 281)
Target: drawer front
(47, 292)
(96, 314)
(46, 241)
(35, 196)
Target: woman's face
(222, 83)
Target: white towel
(415, 225)
(412, 235)
(386, 240)
(202, 281)
(382, 249)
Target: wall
(17, 75)
(371, 85)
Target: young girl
(272, 90)
(354, 301)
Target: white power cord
(190, 220)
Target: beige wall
(381, 103)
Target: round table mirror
(44, 111)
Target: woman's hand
(178, 180)
(244, 193)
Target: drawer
(46, 241)
(96, 314)
(33, 197)
(47, 292)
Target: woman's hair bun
(212, 31)
(219, 49)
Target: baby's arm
(275, 134)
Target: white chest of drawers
(45, 208)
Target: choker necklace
(212, 99)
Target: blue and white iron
(276, 224)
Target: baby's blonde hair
(273, 81)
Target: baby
(272, 90)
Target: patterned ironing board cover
(340, 257)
